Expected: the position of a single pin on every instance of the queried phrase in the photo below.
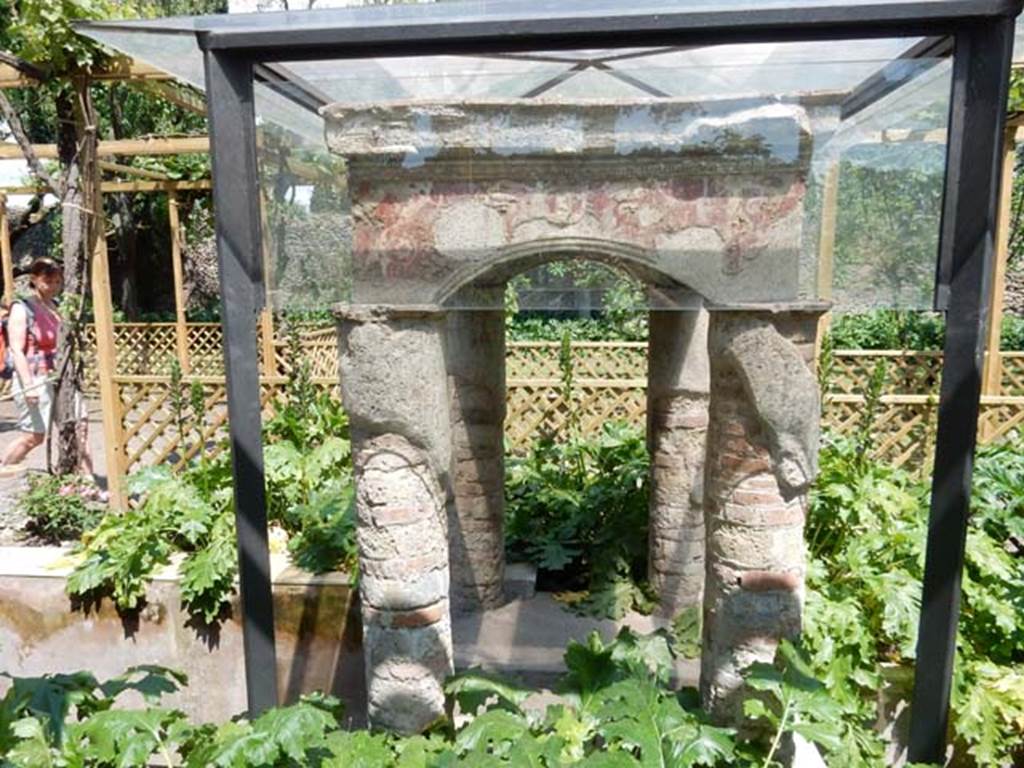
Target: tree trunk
(126, 224)
(76, 146)
(127, 256)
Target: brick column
(677, 422)
(394, 387)
(476, 384)
(761, 459)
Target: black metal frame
(977, 110)
(983, 34)
(229, 98)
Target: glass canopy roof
(876, 109)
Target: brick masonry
(394, 388)
(761, 458)
(677, 423)
(476, 383)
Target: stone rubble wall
(316, 633)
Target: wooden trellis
(906, 373)
(609, 383)
(591, 359)
(141, 349)
(157, 432)
(1012, 379)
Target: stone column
(677, 422)
(394, 388)
(761, 459)
(476, 386)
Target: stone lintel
(760, 133)
(771, 307)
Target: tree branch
(17, 130)
(25, 67)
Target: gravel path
(12, 521)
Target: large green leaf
(474, 688)
(495, 730)
(358, 749)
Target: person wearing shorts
(33, 328)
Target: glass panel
(397, 14)
(703, 72)
(700, 175)
(1018, 41)
(889, 163)
(176, 53)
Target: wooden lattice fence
(609, 382)
(1012, 380)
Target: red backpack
(6, 359)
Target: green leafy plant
(309, 494)
(793, 701)
(578, 510)
(615, 707)
(68, 719)
(866, 530)
(534, 327)
(61, 508)
(909, 330)
(864, 437)
(566, 371)
(306, 414)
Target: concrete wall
(319, 640)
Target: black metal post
(229, 96)
(981, 69)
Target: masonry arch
(677, 401)
(470, 284)
(449, 200)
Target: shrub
(866, 532)
(61, 508)
(309, 495)
(308, 468)
(892, 329)
(578, 510)
(888, 329)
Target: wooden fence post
(180, 327)
(826, 250)
(106, 359)
(993, 373)
(267, 316)
(5, 255)
(267, 340)
(5, 252)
